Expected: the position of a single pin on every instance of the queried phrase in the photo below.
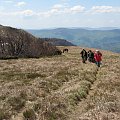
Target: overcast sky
(39, 14)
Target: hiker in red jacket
(98, 57)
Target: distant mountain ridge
(106, 38)
(58, 42)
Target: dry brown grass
(103, 102)
(50, 88)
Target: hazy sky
(38, 14)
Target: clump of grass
(37, 106)
(63, 75)
(54, 84)
(51, 115)
(56, 111)
(16, 102)
(49, 85)
(12, 76)
(52, 107)
(80, 93)
(23, 95)
(2, 97)
(116, 86)
(3, 115)
(29, 114)
(113, 56)
(77, 96)
(90, 105)
(112, 107)
(34, 75)
(88, 76)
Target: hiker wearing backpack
(90, 56)
(98, 57)
(84, 55)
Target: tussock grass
(29, 114)
(12, 76)
(78, 94)
(103, 103)
(50, 88)
(17, 103)
(4, 115)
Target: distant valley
(103, 38)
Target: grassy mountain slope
(103, 39)
(60, 88)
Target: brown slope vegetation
(60, 88)
(18, 43)
(103, 101)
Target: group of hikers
(94, 57)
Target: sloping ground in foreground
(103, 101)
(60, 88)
